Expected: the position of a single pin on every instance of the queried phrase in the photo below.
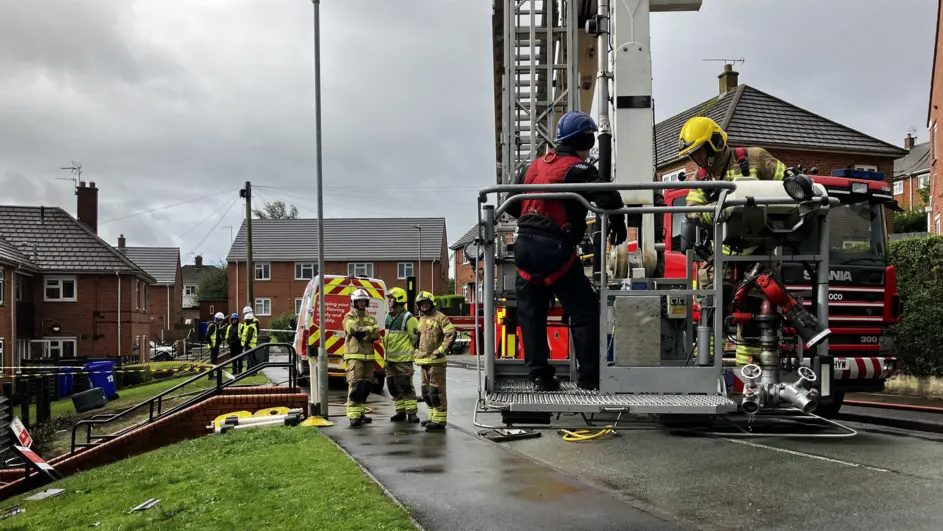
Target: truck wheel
(379, 379)
(830, 410)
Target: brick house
(190, 276)
(165, 303)
(934, 116)
(911, 174)
(75, 295)
(285, 257)
(465, 269)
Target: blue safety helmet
(234, 316)
(574, 123)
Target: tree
(213, 284)
(276, 210)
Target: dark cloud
(167, 101)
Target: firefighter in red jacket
(545, 254)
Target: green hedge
(449, 301)
(919, 263)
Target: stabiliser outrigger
(652, 368)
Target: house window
(937, 218)
(2, 285)
(59, 348)
(263, 271)
(923, 181)
(866, 167)
(304, 271)
(673, 177)
(898, 187)
(298, 306)
(360, 269)
(21, 289)
(60, 289)
(465, 259)
(935, 145)
(22, 351)
(212, 310)
(189, 290)
(404, 270)
(1, 351)
(263, 306)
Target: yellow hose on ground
(583, 435)
(344, 404)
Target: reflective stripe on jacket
(360, 348)
(401, 338)
(436, 335)
(250, 335)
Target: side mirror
(293, 322)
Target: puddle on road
(432, 469)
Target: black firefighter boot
(356, 421)
(400, 416)
(412, 418)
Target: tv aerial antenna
(726, 61)
(76, 170)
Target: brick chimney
(728, 79)
(909, 141)
(121, 241)
(87, 204)
(198, 260)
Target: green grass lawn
(266, 478)
(132, 396)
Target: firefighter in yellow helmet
(436, 335)
(705, 143)
(361, 330)
(401, 339)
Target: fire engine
(656, 358)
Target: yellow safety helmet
(698, 131)
(397, 294)
(425, 296)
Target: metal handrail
(212, 391)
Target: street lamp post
(322, 353)
(419, 262)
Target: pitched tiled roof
(10, 255)
(469, 236)
(752, 117)
(56, 242)
(349, 239)
(917, 161)
(160, 262)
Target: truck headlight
(859, 188)
(890, 365)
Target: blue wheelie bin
(66, 381)
(102, 374)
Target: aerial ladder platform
(553, 56)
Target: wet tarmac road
(884, 479)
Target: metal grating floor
(518, 395)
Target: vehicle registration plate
(841, 365)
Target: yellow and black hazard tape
(50, 371)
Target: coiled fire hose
(586, 435)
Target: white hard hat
(247, 309)
(249, 316)
(359, 295)
(219, 315)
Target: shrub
(449, 301)
(281, 323)
(919, 263)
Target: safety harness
(549, 169)
(741, 154)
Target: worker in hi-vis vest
(361, 330)
(401, 339)
(250, 337)
(436, 335)
(705, 142)
(214, 338)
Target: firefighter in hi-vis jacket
(361, 330)
(399, 343)
(436, 335)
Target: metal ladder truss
(666, 392)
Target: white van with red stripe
(338, 289)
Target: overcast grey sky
(165, 101)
